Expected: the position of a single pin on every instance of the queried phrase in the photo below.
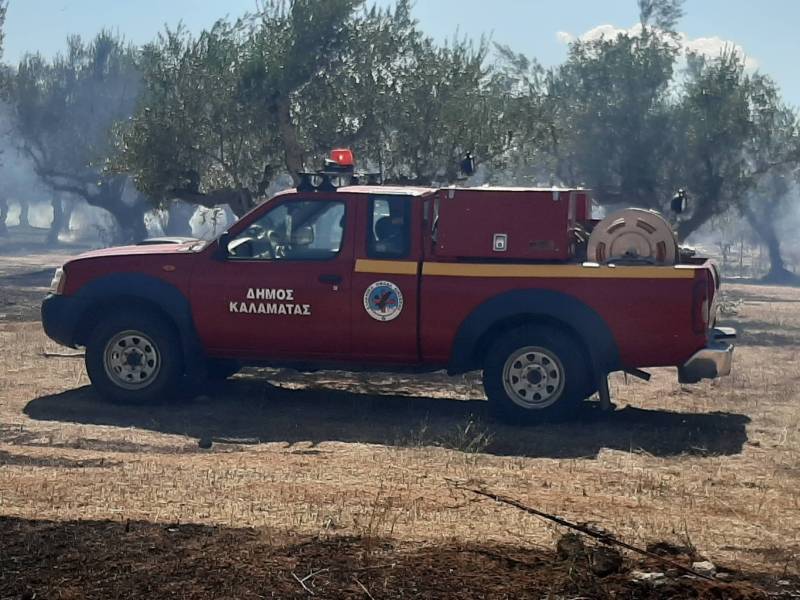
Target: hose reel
(633, 235)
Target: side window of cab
(293, 230)
(389, 227)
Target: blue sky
(766, 30)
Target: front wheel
(536, 373)
(134, 357)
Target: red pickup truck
(520, 283)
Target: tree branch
(70, 189)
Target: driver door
(283, 291)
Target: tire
(220, 369)
(135, 357)
(536, 373)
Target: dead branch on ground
(602, 537)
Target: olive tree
(735, 140)
(610, 109)
(217, 120)
(773, 160)
(64, 109)
(224, 114)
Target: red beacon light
(343, 157)
(338, 170)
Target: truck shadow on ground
(260, 412)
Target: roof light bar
(339, 170)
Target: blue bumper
(60, 316)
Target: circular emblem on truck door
(383, 301)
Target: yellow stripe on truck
(406, 267)
(387, 267)
(555, 271)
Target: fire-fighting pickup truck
(520, 283)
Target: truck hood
(166, 248)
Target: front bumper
(60, 318)
(713, 361)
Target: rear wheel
(134, 357)
(535, 373)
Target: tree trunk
(68, 205)
(3, 216)
(702, 212)
(24, 208)
(110, 195)
(777, 268)
(130, 221)
(129, 218)
(291, 143)
(57, 224)
(765, 228)
(741, 257)
(180, 213)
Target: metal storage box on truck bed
(508, 223)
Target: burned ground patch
(134, 559)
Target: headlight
(59, 279)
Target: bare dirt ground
(341, 486)
(26, 268)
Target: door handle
(330, 279)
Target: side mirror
(679, 202)
(223, 241)
(303, 236)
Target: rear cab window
(389, 227)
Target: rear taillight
(700, 300)
(712, 301)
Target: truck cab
(288, 282)
(520, 283)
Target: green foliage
(216, 118)
(192, 117)
(662, 14)
(732, 131)
(3, 10)
(65, 107)
(446, 104)
(610, 109)
(713, 125)
(221, 115)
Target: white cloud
(607, 31)
(564, 37)
(713, 46)
(706, 46)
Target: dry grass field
(348, 479)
